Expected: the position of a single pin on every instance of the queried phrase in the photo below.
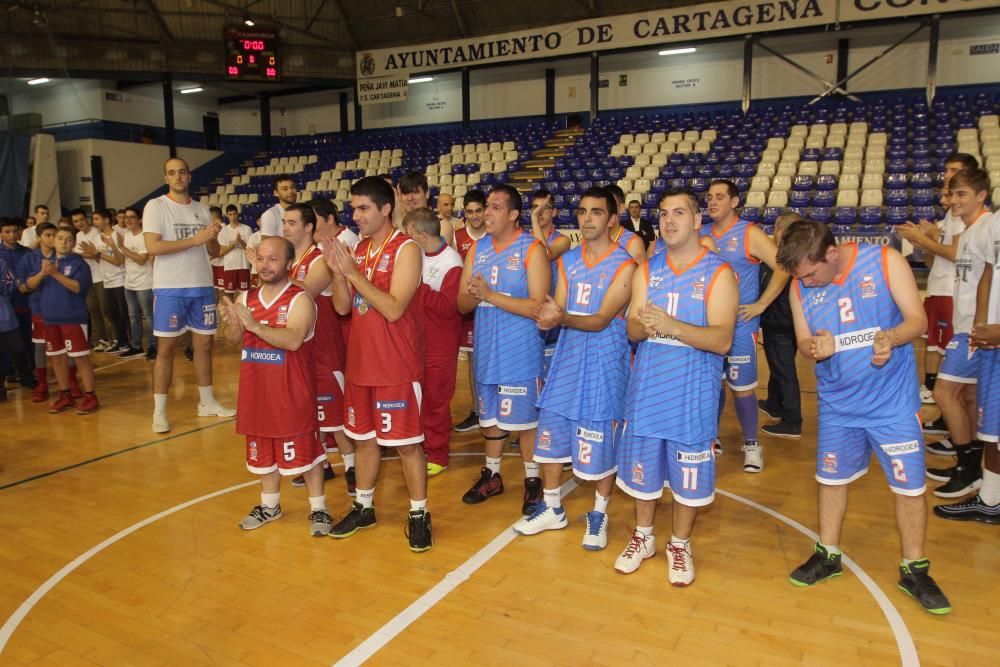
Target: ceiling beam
(161, 25)
(458, 19)
(240, 11)
(283, 92)
(352, 40)
(309, 23)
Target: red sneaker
(41, 393)
(488, 484)
(88, 404)
(63, 403)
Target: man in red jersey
(378, 285)
(275, 324)
(465, 239)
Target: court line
(421, 605)
(904, 641)
(114, 453)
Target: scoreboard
(252, 55)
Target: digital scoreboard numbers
(252, 55)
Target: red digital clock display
(252, 55)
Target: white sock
(206, 395)
(159, 402)
(348, 460)
(647, 531)
(494, 464)
(832, 550)
(600, 502)
(990, 490)
(552, 498)
(366, 497)
(679, 542)
(531, 469)
(317, 503)
(270, 500)
(418, 505)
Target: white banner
(383, 89)
(696, 22)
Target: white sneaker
(320, 523)
(544, 518)
(753, 457)
(260, 515)
(596, 537)
(101, 346)
(926, 395)
(214, 409)
(160, 423)
(640, 547)
(681, 572)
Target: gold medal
(363, 307)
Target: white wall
(955, 65)
(773, 77)
(131, 170)
(144, 106)
(63, 101)
(437, 101)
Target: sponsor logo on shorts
(638, 473)
(511, 390)
(589, 434)
(738, 359)
(952, 344)
(350, 416)
(545, 439)
(391, 405)
(830, 462)
(900, 448)
(694, 457)
(255, 356)
(854, 340)
(172, 321)
(252, 450)
(324, 398)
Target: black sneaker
(940, 474)
(151, 354)
(470, 423)
(328, 474)
(963, 482)
(915, 582)
(132, 352)
(783, 430)
(532, 495)
(971, 509)
(942, 447)
(352, 482)
(936, 427)
(821, 566)
(766, 411)
(488, 484)
(359, 517)
(418, 531)
(189, 354)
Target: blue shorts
(958, 365)
(843, 454)
(178, 310)
(740, 365)
(648, 465)
(589, 445)
(509, 406)
(988, 396)
(551, 337)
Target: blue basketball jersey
(552, 335)
(589, 371)
(734, 248)
(508, 346)
(851, 390)
(673, 392)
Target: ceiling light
(186, 91)
(35, 82)
(399, 10)
(421, 79)
(674, 52)
(248, 22)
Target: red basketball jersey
(464, 241)
(277, 393)
(382, 353)
(329, 349)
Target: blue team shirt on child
(59, 305)
(30, 265)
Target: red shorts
(465, 339)
(939, 330)
(390, 414)
(290, 456)
(68, 339)
(330, 401)
(37, 329)
(237, 280)
(218, 277)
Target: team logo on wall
(367, 65)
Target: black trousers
(13, 347)
(783, 397)
(117, 312)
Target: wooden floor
(93, 574)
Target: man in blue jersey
(505, 278)
(626, 238)
(556, 244)
(856, 311)
(583, 400)
(682, 313)
(744, 246)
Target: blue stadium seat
(846, 215)
(896, 198)
(823, 198)
(810, 155)
(895, 166)
(922, 197)
(896, 181)
(751, 214)
(871, 215)
(771, 214)
(897, 215)
(798, 198)
(802, 183)
(698, 185)
(921, 179)
(924, 213)
(820, 214)
(826, 182)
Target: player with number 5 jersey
(857, 311)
